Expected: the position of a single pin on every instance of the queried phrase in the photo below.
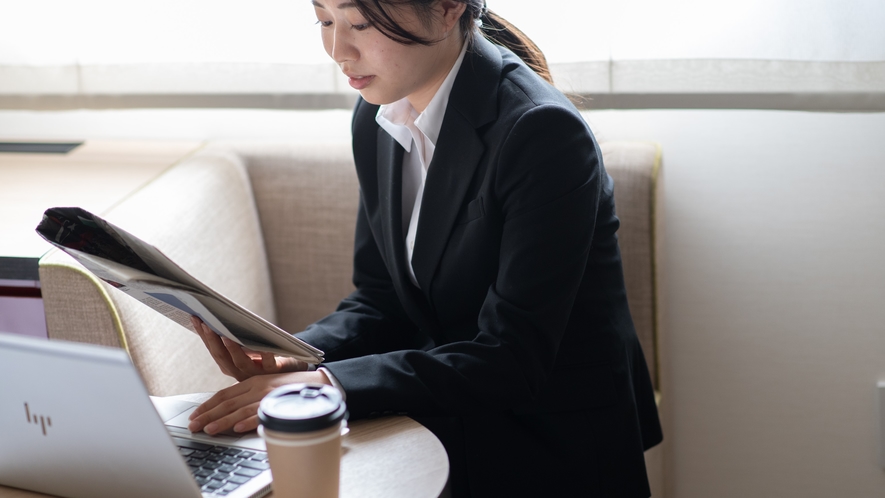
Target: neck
(450, 50)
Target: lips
(359, 82)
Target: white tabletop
(94, 176)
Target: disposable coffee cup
(302, 425)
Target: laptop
(76, 421)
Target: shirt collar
(397, 117)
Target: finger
(285, 364)
(219, 411)
(220, 404)
(250, 424)
(295, 365)
(248, 351)
(226, 407)
(211, 403)
(199, 328)
(239, 357)
(239, 416)
(227, 403)
(220, 353)
(197, 323)
(269, 362)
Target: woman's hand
(237, 406)
(239, 362)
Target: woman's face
(383, 70)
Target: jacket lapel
(472, 103)
(389, 167)
(448, 178)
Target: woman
(490, 302)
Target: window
(826, 54)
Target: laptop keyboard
(220, 470)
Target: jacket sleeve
(547, 188)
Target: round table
(390, 457)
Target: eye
(324, 24)
(362, 27)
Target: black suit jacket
(518, 348)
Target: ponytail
(501, 32)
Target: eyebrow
(343, 5)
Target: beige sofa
(271, 226)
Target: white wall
(825, 54)
(775, 298)
(775, 287)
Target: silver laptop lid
(76, 421)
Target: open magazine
(146, 274)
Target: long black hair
(494, 27)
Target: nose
(342, 47)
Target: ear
(451, 10)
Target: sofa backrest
(271, 226)
(635, 167)
(202, 215)
(307, 198)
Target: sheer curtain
(267, 53)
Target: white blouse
(408, 127)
